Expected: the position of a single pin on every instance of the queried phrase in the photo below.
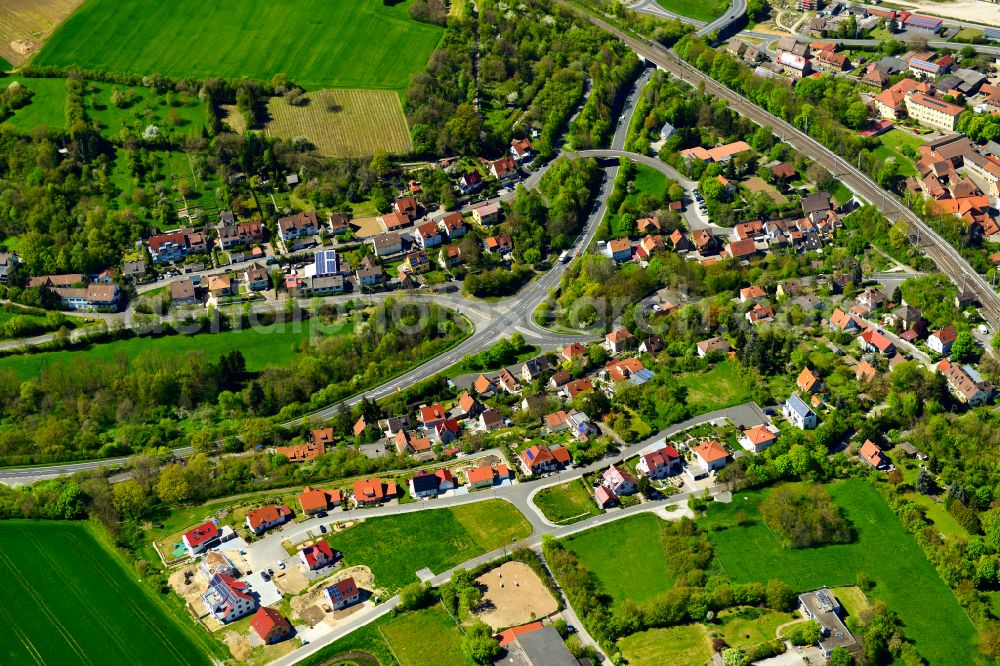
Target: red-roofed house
(313, 500)
(940, 341)
(343, 594)
(874, 341)
(619, 481)
(605, 497)
(302, 452)
(487, 475)
(659, 464)
(431, 415)
(541, 459)
(757, 438)
(504, 168)
(373, 491)
(227, 598)
(507, 636)
(618, 341)
(266, 517)
(808, 381)
(574, 352)
(748, 293)
(317, 555)
(520, 149)
(201, 537)
(270, 625)
(872, 454)
(711, 455)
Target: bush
(414, 596)
(805, 516)
(807, 633)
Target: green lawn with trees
(396, 547)
(702, 11)
(882, 551)
(66, 599)
(348, 44)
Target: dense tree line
(805, 516)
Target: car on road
(281, 565)
(264, 576)
(322, 529)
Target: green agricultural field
(904, 579)
(427, 636)
(686, 645)
(65, 599)
(396, 547)
(261, 346)
(567, 503)
(316, 43)
(47, 107)
(702, 11)
(715, 389)
(638, 568)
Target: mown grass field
(344, 123)
(627, 556)
(396, 547)
(715, 389)
(66, 600)
(647, 181)
(892, 142)
(427, 636)
(261, 346)
(316, 43)
(903, 577)
(47, 107)
(567, 503)
(703, 11)
(685, 645)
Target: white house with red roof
(540, 459)
(940, 341)
(659, 464)
(872, 454)
(200, 538)
(431, 415)
(266, 517)
(875, 341)
(520, 149)
(343, 594)
(574, 352)
(228, 599)
(711, 455)
(317, 555)
(758, 438)
(619, 481)
(605, 497)
(619, 340)
(270, 625)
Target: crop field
(344, 123)
(903, 577)
(316, 43)
(66, 600)
(261, 346)
(24, 24)
(396, 547)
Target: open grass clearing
(627, 556)
(396, 547)
(717, 388)
(427, 636)
(685, 645)
(261, 346)
(47, 106)
(66, 599)
(567, 503)
(702, 11)
(904, 579)
(344, 123)
(741, 632)
(647, 180)
(757, 184)
(851, 599)
(316, 43)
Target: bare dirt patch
(514, 595)
(756, 184)
(344, 123)
(232, 117)
(238, 645)
(26, 24)
(367, 226)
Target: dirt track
(514, 595)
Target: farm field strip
(26, 22)
(316, 43)
(361, 123)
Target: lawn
(396, 547)
(567, 503)
(627, 556)
(715, 389)
(702, 11)
(316, 43)
(904, 579)
(261, 346)
(47, 107)
(649, 181)
(427, 636)
(344, 123)
(65, 599)
(892, 141)
(686, 645)
(741, 632)
(852, 599)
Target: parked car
(281, 565)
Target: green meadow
(316, 43)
